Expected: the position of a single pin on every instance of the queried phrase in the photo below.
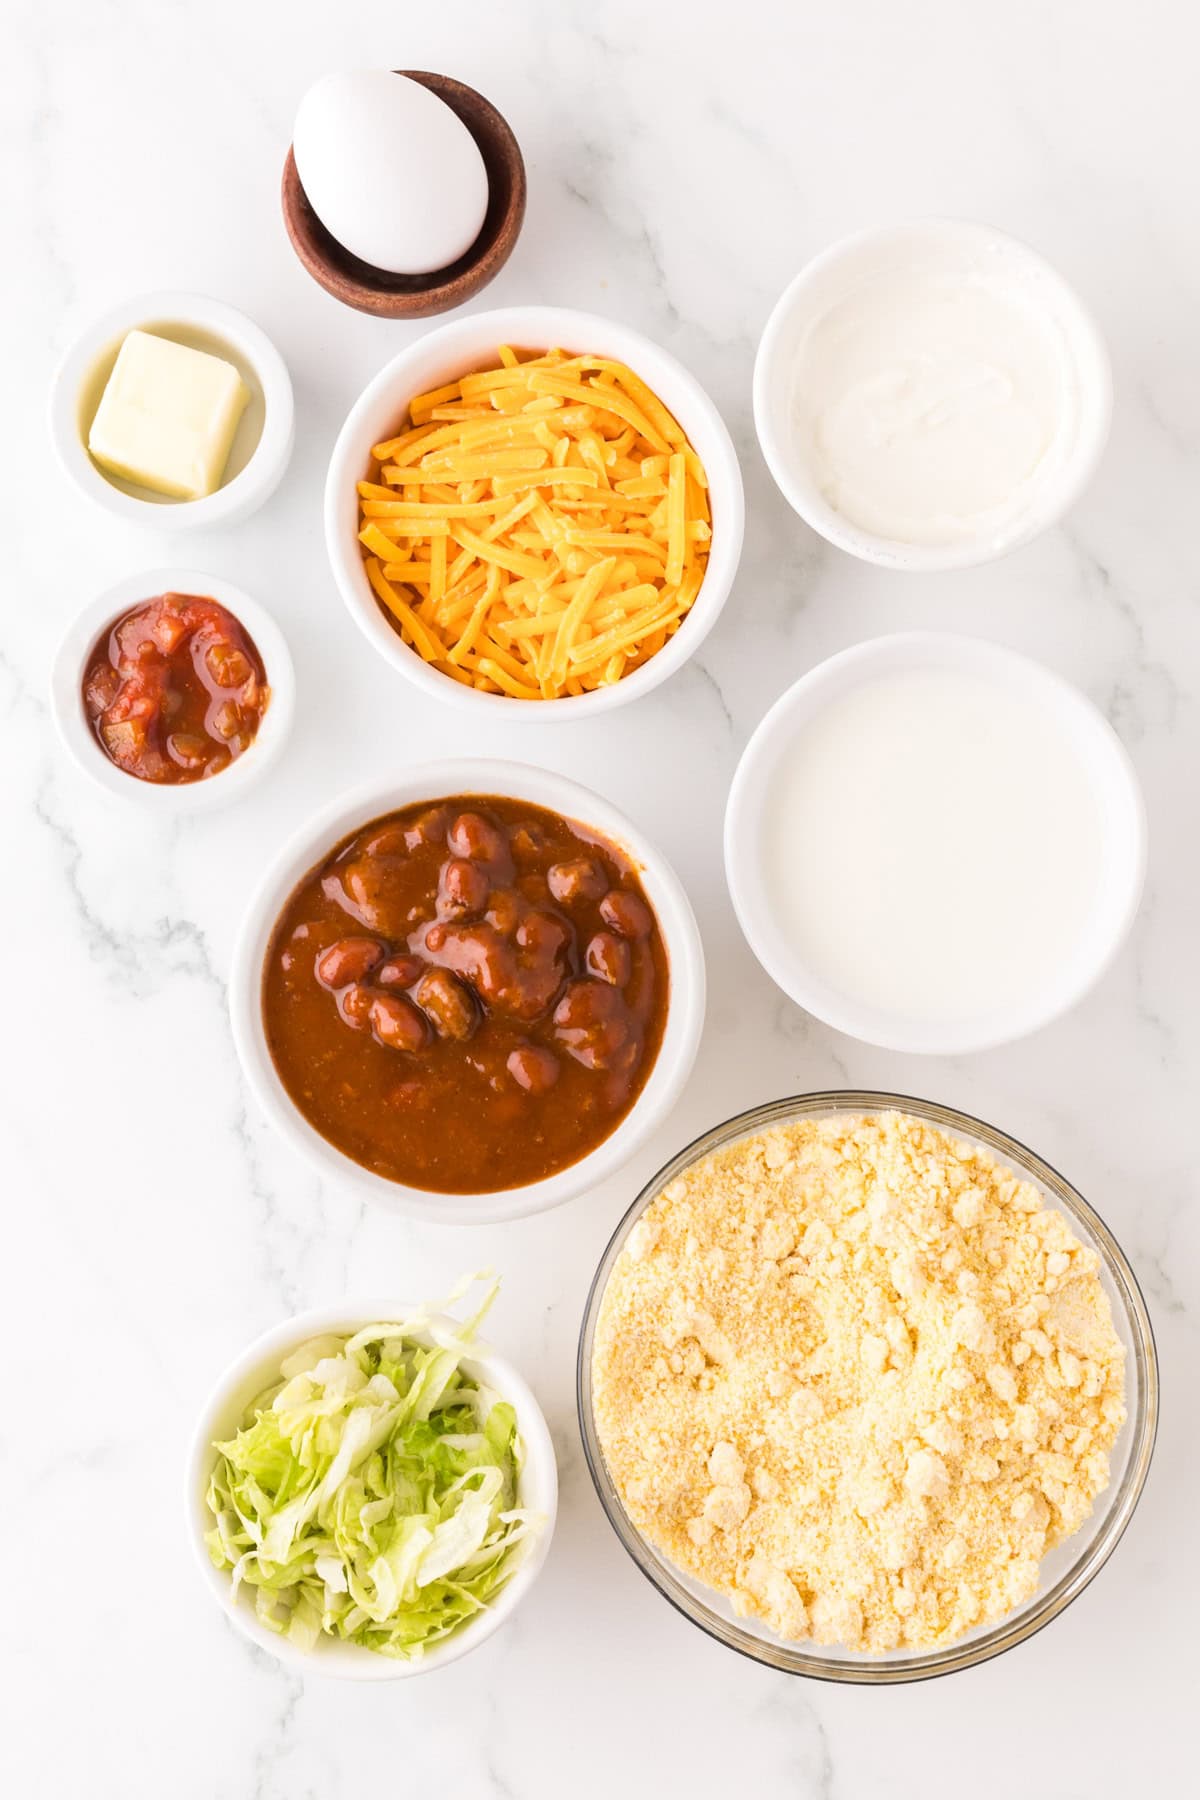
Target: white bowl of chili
(84, 644)
(382, 1102)
(467, 346)
(259, 1369)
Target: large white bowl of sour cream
(934, 844)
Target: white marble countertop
(683, 162)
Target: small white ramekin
(75, 395)
(823, 280)
(74, 727)
(256, 1369)
(465, 345)
(1108, 765)
(479, 776)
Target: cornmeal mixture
(855, 1375)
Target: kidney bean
(429, 828)
(479, 955)
(391, 841)
(609, 958)
(527, 841)
(399, 971)
(533, 1068)
(591, 1023)
(580, 879)
(504, 911)
(369, 884)
(471, 835)
(350, 959)
(354, 1005)
(396, 1024)
(543, 941)
(625, 1060)
(447, 1004)
(463, 889)
(359, 883)
(543, 936)
(627, 914)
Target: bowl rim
(1091, 357)
(77, 737)
(478, 776)
(532, 325)
(539, 1472)
(252, 485)
(1008, 1632)
(892, 651)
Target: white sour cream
(934, 395)
(933, 846)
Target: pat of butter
(167, 417)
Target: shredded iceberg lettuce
(371, 1493)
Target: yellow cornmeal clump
(856, 1376)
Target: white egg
(391, 172)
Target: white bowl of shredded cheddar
(534, 505)
(867, 1390)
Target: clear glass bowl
(1066, 1571)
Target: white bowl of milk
(931, 395)
(934, 844)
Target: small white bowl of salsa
(175, 707)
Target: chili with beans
(175, 690)
(468, 995)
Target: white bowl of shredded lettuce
(371, 1489)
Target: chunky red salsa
(468, 995)
(175, 690)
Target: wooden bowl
(371, 290)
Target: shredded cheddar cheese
(540, 528)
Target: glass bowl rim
(1120, 1501)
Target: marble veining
(683, 162)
